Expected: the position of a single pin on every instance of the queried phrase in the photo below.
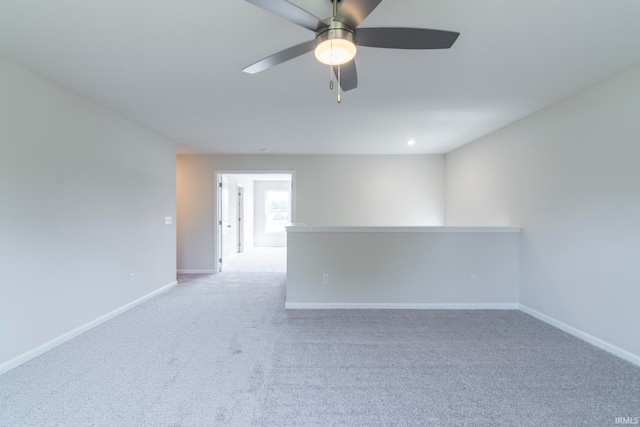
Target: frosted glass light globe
(335, 51)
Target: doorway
(253, 209)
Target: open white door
(240, 219)
(224, 226)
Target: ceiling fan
(336, 37)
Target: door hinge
(219, 222)
(220, 260)
(239, 219)
(220, 184)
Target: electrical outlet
(474, 279)
(325, 278)
(132, 278)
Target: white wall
(569, 175)
(83, 195)
(418, 269)
(330, 190)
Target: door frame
(224, 219)
(217, 237)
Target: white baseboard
(196, 272)
(616, 351)
(25, 357)
(401, 306)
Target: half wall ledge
(431, 229)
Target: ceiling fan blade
(406, 38)
(353, 12)
(348, 75)
(290, 12)
(280, 57)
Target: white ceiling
(174, 67)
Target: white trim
(434, 229)
(616, 351)
(196, 271)
(25, 357)
(400, 306)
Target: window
(277, 211)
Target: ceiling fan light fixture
(335, 51)
(335, 45)
(335, 37)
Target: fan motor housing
(336, 30)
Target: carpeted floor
(220, 350)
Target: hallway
(273, 260)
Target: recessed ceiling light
(411, 142)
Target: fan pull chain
(331, 69)
(339, 86)
(335, 12)
(331, 77)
